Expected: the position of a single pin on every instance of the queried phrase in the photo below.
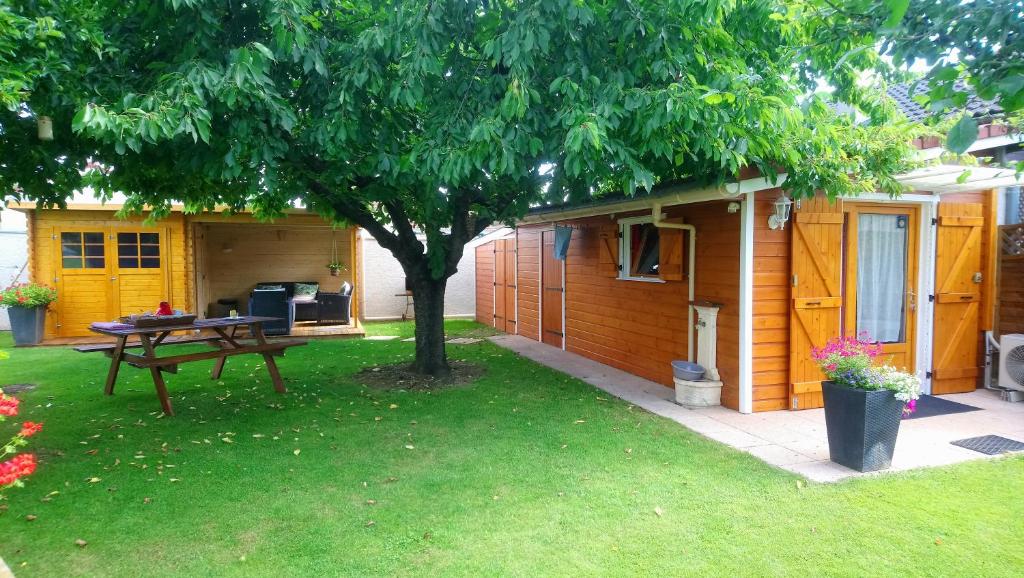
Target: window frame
(625, 253)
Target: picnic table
(221, 333)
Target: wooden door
(816, 295)
(881, 279)
(509, 293)
(139, 270)
(552, 331)
(84, 289)
(958, 277)
(501, 278)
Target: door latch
(977, 277)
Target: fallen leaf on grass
(81, 543)
(297, 451)
(227, 440)
(93, 480)
(370, 523)
(659, 511)
(410, 447)
(30, 518)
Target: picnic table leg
(218, 367)
(257, 330)
(115, 364)
(158, 378)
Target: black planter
(27, 324)
(862, 426)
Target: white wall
(13, 253)
(383, 284)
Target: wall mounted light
(778, 219)
(733, 208)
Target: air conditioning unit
(1011, 361)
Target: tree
(441, 116)
(980, 42)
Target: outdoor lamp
(782, 206)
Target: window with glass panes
(138, 250)
(80, 250)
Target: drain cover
(991, 445)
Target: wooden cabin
(104, 266)
(917, 273)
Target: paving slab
(795, 441)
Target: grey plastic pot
(27, 324)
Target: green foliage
(444, 115)
(27, 295)
(980, 42)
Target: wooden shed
(104, 266)
(916, 273)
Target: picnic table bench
(224, 338)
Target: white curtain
(881, 276)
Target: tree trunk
(428, 303)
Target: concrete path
(791, 440)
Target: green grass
(526, 472)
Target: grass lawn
(525, 472)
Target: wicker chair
(334, 307)
(271, 303)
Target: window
(82, 250)
(138, 250)
(641, 249)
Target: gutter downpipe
(691, 268)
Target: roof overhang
(673, 195)
(944, 179)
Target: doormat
(990, 445)
(931, 406)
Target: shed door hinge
(928, 374)
(935, 221)
(931, 299)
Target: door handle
(113, 278)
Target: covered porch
(236, 254)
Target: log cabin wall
(70, 308)
(485, 283)
(1011, 283)
(639, 326)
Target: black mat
(931, 406)
(990, 445)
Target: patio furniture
(223, 339)
(271, 303)
(300, 297)
(334, 307)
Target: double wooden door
(505, 285)
(105, 272)
(855, 273)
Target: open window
(645, 252)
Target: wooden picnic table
(224, 338)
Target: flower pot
(27, 324)
(335, 272)
(862, 426)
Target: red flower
(8, 405)
(19, 466)
(29, 429)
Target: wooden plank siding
(771, 308)
(485, 283)
(638, 326)
(1010, 317)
